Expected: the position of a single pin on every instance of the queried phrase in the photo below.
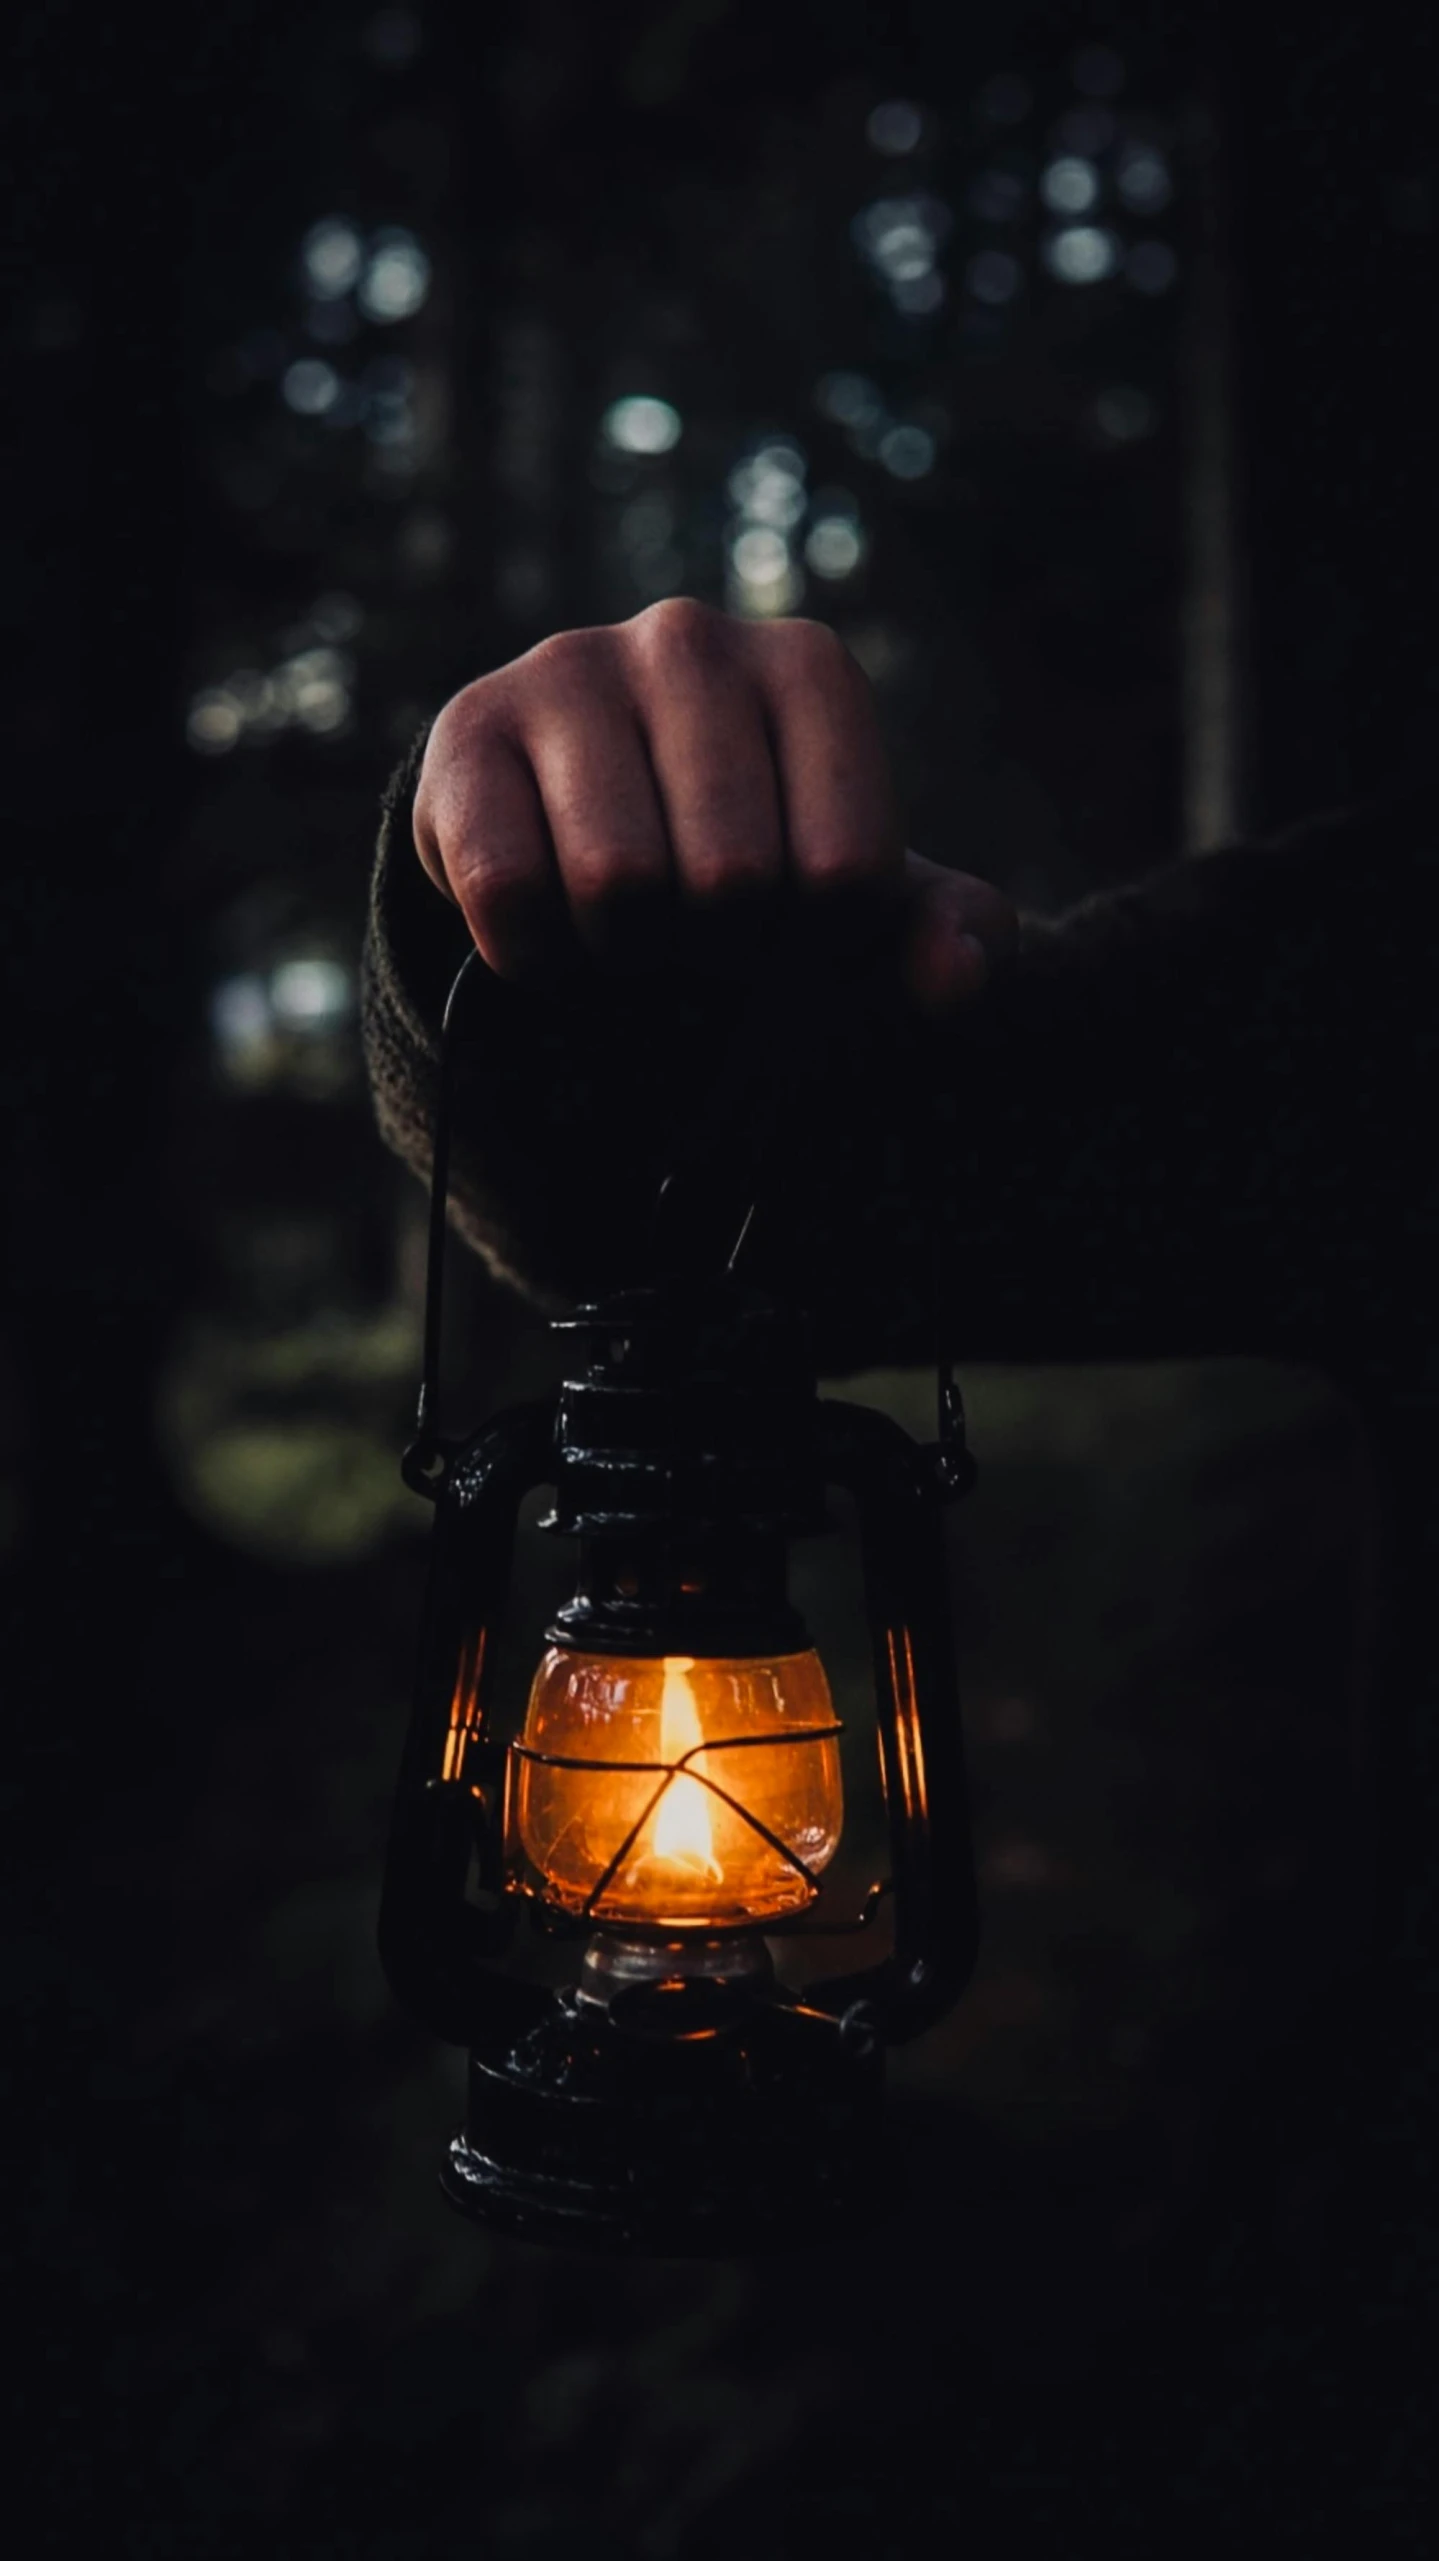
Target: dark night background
(1072, 362)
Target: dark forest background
(1071, 362)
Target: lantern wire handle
(954, 1469)
(778, 1037)
(745, 1125)
(425, 1455)
(766, 1062)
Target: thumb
(961, 929)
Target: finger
(481, 834)
(712, 763)
(843, 830)
(606, 824)
(960, 931)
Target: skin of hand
(689, 789)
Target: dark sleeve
(1187, 1121)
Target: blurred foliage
(286, 1444)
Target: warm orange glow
(610, 1833)
(464, 1706)
(683, 1832)
(910, 1742)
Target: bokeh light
(851, 399)
(768, 486)
(261, 710)
(640, 424)
(310, 688)
(311, 995)
(1142, 177)
(1069, 184)
(767, 489)
(907, 451)
(215, 722)
(834, 546)
(763, 578)
(1081, 255)
(894, 127)
(241, 1026)
(309, 386)
(901, 234)
(313, 688)
(760, 555)
(331, 256)
(396, 280)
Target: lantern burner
(686, 2113)
(615, 1963)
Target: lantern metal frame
(704, 2109)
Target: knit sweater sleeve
(1175, 1126)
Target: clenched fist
(688, 788)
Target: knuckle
(833, 864)
(565, 659)
(612, 876)
(470, 726)
(468, 744)
(680, 626)
(720, 875)
(468, 713)
(496, 892)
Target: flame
(614, 1818)
(682, 1830)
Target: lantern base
(682, 2118)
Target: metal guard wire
(666, 1772)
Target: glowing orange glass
(679, 1793)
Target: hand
(691, 788)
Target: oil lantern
(666, 1801)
